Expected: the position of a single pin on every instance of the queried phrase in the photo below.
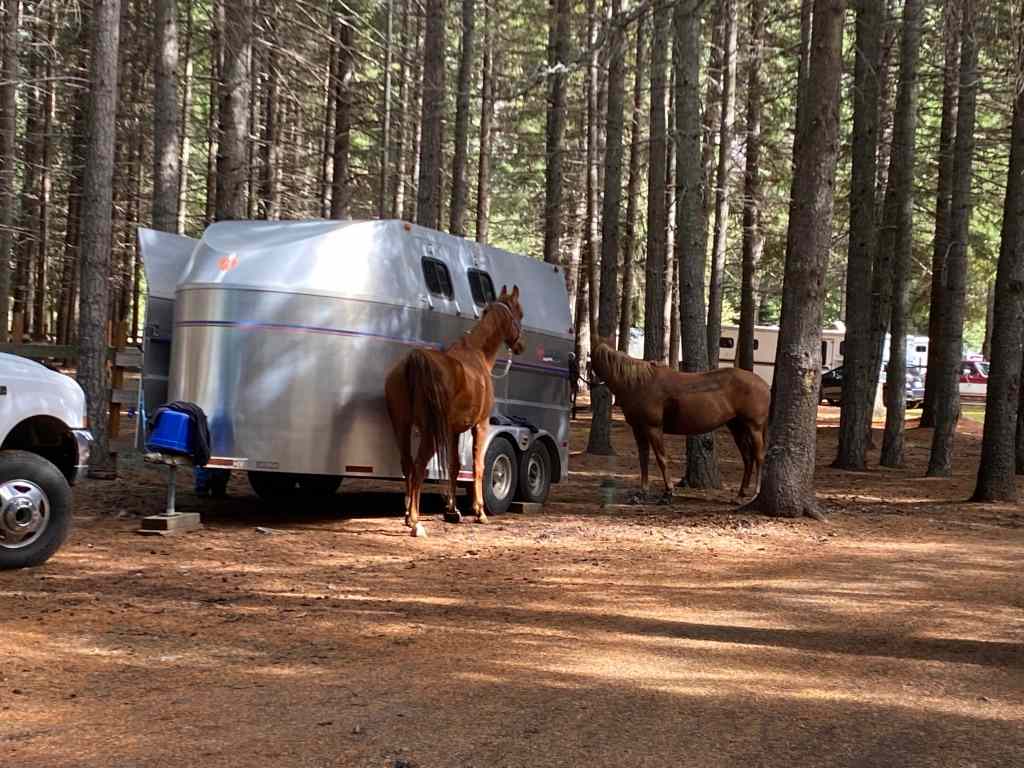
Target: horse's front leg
(479, 439)
(643, 449)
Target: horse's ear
(515, 292)
(504, 292)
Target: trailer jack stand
(171, 521)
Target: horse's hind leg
(419, 473)
(452, 515)
(658, 444)
(741, 434)
(643, 449)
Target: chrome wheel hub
(535, 475)
(24, 513)
(501, 477)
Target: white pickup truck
(44, 449)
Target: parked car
(44, 449)
(832, 387)
(973, 380)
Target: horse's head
(509, 318)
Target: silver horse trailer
(283, 332)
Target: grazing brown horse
(657, 399)
(445, 393)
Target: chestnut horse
(445, 393)
(656, 400)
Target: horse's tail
(426, 396)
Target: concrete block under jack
(164, 525)
(524, 508)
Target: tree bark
(943, 195)
(858, 396)
(947, 392)
(632, 188)
(996, 481)
(593, 230)
(94, 306)
(8, 156)
(600, 429)
(753, 234)
(483, 179)
(701, 464)
(166, 145)
(398, 125)
(270, 146)
(723, 181)
(416, 129)
(428, 199)
(787, 487)
(990, 308)
(236, 85)
(214, 108)
(340, 187)
(654, 297)
(185, 151)
(383, 198)
(558, 55)
(40, 323)
(901, 181)
(460, 186)
(28, 220)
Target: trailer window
(920, 348)
(756, 345)
(726, 342)
(439, 282)
(481, 287)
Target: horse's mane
(620, 370)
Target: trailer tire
(318, 486)
(535, 474)
(500, 476)
(271, 486)
(35, 509)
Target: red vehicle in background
(973, 379)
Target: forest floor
(682, 635)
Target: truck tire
(35, 509)
(535, 474)
(500, 475)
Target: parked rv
(283, 332)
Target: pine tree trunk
(593, 230)
(460, 186)
(861, 332)
(399, 123)
(753, 235)
(558, 54)
(632, 188)
(383, 198)
(701, 464)
(270, 181)
(42, 315)
(416, 129)
(600, 430)
(787, 486)
(327, 137)
(8, 156)
(185, 151)
(996, 481)
(340, 185)
(28, 221)
(166, 146)
(990, 308)
(886, 106)
(236, 85)
(713, 100)
(943, 195)
(428, 197)
(655, 288)
(215, 106)
(901, 179)
(950, 341)
(671, 293)
(94, 306)
(723, 177)
(483, 180)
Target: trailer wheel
(318, 485)
(500, 476)
(535, 474)
(272, 485)
(35, 509)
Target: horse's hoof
(453, 516)
(638, 498)
(482, 518)
(418, 531)
(409, 522)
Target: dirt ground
(686, 635)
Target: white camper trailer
(283, 332)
